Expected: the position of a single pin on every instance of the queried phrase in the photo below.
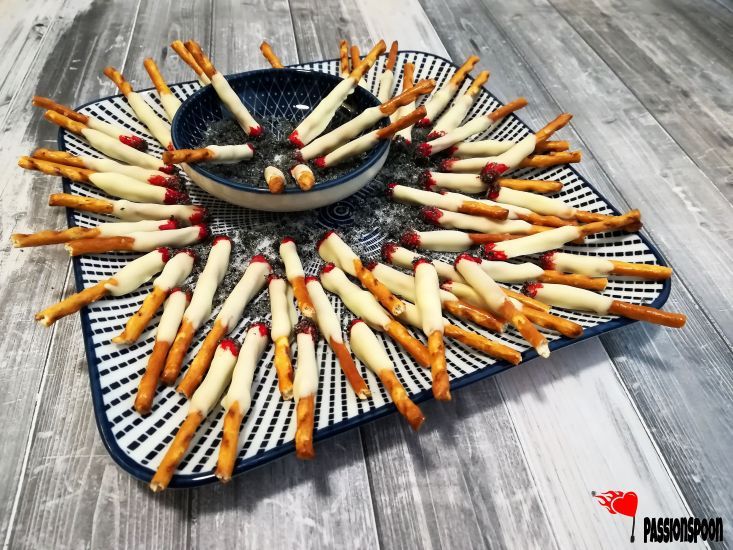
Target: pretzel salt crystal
(366, 119)
(253, 280)
(569, 297)
(296, 276)
(188, 59)
(174, 273)
(591, 266)
(198, 311)
(214, 154)
(371, 352)
(139, 242)
(427, 300)
(303, 176)
(117, 185)
(495, 299)
(115, 132)
(275, 179)
(270, 55)
(173, 310)
(329, 326)
(408, 81)
(153, 177)
(452, 202)
(130, 211)
(367, 141)
(305, 388)
(108, 145)
(41, 238)
(199, 407)
(129, 278)
(226, 94)
(386, 79)
(169, 101)
(473, 126)
(440, 99)
(363, 304)
(238, 399)
(318, 119)
(402, 257)
(454, 115)
(344, 69)
(334, 250)
(283, 322)
(160, 129)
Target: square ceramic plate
(138, 443)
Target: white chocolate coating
(445, 240)
(505, 272)
(106, 128)
(173, 237)
(299, 169)
(117, 229)
(412, 195)
(570, 297)
(483, 148)
(240, 388)
(313, 125)
(467, 222)
(176, 271)
(282, 325)
(405, 133)
(272, 172)
(333, 249)
(291, 260)
(173, 310)
(536, 203)
(136, 273)
(592, 266)
(217, 263)
(170, 105)
(473, 126)
(160, 129)
(305, 382)
(328, 322)
(402, 257)
(511, 158)
(360, 302)
(112, 147)
(490, 293)
(466, 183)
(253, 280)
(338, 136)
(439, 100)
(134, 211)
(452, 118)
(386, 80)
(214, 383)
(125, 187)
(403, 285)
(352, 148)
(230, 154)
(464, 292)
(368, 349)
(540, 242)
(427, 298)
(232, 102)
(109, 165)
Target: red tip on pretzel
(298, 156)
(251, 147)
(170, 224)
(287, 239)
(389, 191)
(219, 238)
(273, 277)
(294, 138)
(371, 264)
(306, 326)
(187, 292)
(424, 149)
(547, 260)
(354, 322)
(420, 260)
(431, 214)
(530, 289)
(388, 249)
(490, 175)
(256, 132)
(435, 135)
(446, 285)
(164, 181)
(261, 327)
(452, 150)
(323, 238)
(199, 214)
(165, 254)
(466, 256)
(447, 164)
(259, 258)
(423, 122)
(203, 231)
(426, 181)
(490, 252)
(410, 239)
(175, 197)
(310, 278)
(230, 345)
(188, 251)
(320, 162)
(328, 268)
(167, 169)
(135, 142)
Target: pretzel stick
(305, 388)
(393, 304)
(349, 368)
(283, 367)
(273, 59)
(355, 58)
(609, 224)
(296, 276)
(305, 411)
(138, 242)
(546, 161)
(484, 345)
(408, 81)
(553, 126)
(53, 169)
(365, 64)
(176, 451)
(580, 281)
(275, 179)
(229, 439)
(170, 102)
(284, 318)
(526, 300)
(470, 296)
(75, 302)
(188, 59)
(454, 115)
(532, 186)
(178, 350)
(454, 202)
(644, 271)
(391, 56)
(84, 204)
(467, 311)
(344, 58)
(551, 322)
(130, 211)
(411, 345)
(47, 237)
(435, 105)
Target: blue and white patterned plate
(138, 443)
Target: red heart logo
(626, 505)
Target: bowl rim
(374, 156)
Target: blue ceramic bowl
(270, 93)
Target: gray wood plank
(619, 148)
(676, 59)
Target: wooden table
(512, 461)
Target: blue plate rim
(187, 481)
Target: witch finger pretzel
(408, 81)
(401, 257)
(591, 266)
(284, 318)
(131, 211)
(139, 242)
(305, 388)
(386, 79)
(169, 101)
(188, 59)
(213, 154)
(453, 116)
(270, 55)
(296, 276)
(493, 147)
(453, 202)
(473, 183)
(440, 99)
